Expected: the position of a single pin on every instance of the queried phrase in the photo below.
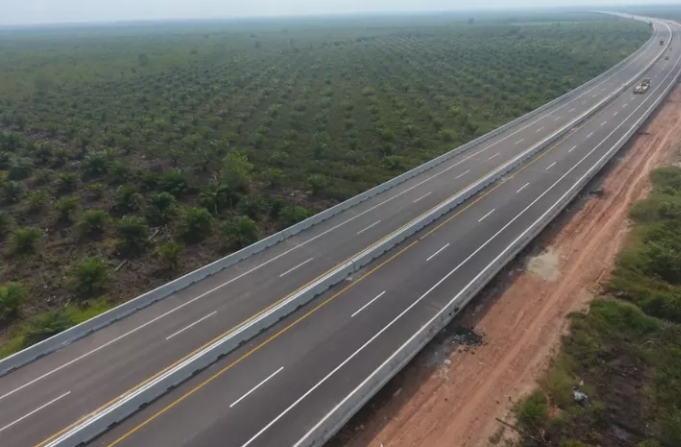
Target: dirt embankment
(452, 391)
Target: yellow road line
(325, 302)
(248, 320)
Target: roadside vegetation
(625, 352)
(132, 154)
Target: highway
(277, 387)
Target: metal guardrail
(340, 415)
(129, 403)
(124, 310)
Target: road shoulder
(493, 353)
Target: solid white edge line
(66, 435)
(256, 387)
(523, 187)
(421, 198)
(367, 304)
(389, 359)
(33, 412)
(437, 315)
(264, 263)
(486, 215)
(191, 325)
(551, 165)
(305, 262)
(437, 252)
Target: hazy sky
(16, 12)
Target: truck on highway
(642, 86)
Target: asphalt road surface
(273, 390)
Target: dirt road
(451, 392)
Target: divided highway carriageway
(301, 377)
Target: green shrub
(67, 182)
(38, 199)
(670, 435)
(558, 382)
(196, 225)
(10, 141)
(648, 443)
(236, 170)
(161, 208)
(93, 222)
(12, 191)
(667, 180)
(89, 277)
(12, 295)
(68, 207)
(276, 205)
(170, 254)
(96, 165)
(96, 190)
(6, 223)
(46, 325)
(120, 172)
(241, 231)
(291, 215)
(447, 135)
(20, 168)
(571, 443)
(617, 317)
(532, 411)
(133, 234)
(317, 183)
(273, 176)
(174, 182)
(216, 197)
(25, 240)
(43, 177)
(253, 206)
(128, 199)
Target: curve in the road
(113, 359)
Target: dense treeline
(132, 154)
(626, 351)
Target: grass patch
(625, 352)
(51, 323)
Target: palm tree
(241, 231)
(216, 196)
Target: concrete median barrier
(124, 310)
(126, 405)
